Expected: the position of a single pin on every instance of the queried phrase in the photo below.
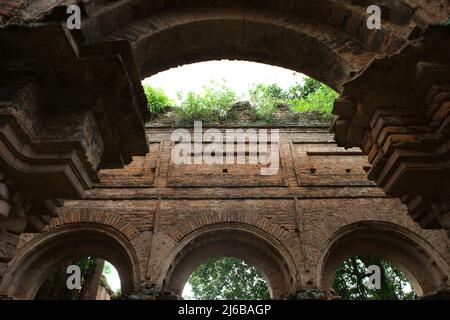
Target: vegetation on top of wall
(212, 104)
(157, 101)
(217, 103)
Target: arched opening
(248, 244)
(53, 250)
(423, 267)
(327, 38)
(371, 278)
(232, 92)
(202, 35)
(226, 279)
(90, 278)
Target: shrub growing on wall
(211, 104)
(214, 103)
(157, 101)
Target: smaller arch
(424, 267)
(70, 214)
(240, 241)
(49, 251)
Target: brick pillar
(314, 294)
(149, 292)
(13, 207)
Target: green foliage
(107, 269)
(320, 100)
(351, 281)
(264, 99)
(157, 101)
(212, 104)
(228, 279)
(55, 288)
(215, 101)
(86, 266)
(299, 91)
(310, 97)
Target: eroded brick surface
(159, 217)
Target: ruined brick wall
(319, 190)
(156, 211)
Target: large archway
(425, 269)
(244, 242)
(94, 107)
(52, 250)
(205, 37)
(331, 42)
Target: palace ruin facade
(80, 170)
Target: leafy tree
(228, 279)
(92, 274)
(351, 281)
(319, 100)
(157, 101)
(310, 87)
(302, 91)
(213, 103)
(264, 99)
(312, 96)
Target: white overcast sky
(240, 75)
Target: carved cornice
(61, 173)
(397, 111)
(103, 79)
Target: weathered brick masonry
(295, 226)
(71, 103)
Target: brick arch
(70, 215)
(98, 217)
(204, 37)
(78, 216)
(423, 265)
(186, 227)
(384, 210)
(251, 240)
(70, 237)
(164, 34)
